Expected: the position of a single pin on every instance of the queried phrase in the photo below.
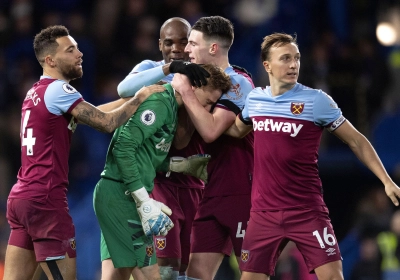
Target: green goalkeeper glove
(195, 166)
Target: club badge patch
(297, 108)
(148, 117)
(161, 243)
(245, 255)
(68, 88)
(149, 250)
(72, 243)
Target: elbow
(209, 138)
(109, 129)
(121, 91)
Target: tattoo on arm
(104, 122)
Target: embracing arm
(365, 152)
(209, 125)
(134, 81)
(238, 129)
(90, 115)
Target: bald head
(174, 35)
(175, 22)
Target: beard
(70, 72)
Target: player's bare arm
(108, 107)
(365, 152)
(238, 129)
(209, 125)
(109, 121)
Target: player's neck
(54, 74)
(221, 61)
(279, 89)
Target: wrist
(140, 195)
(166, 69)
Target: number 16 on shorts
(328, 238)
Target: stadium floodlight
(386, 33)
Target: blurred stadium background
(350, 49)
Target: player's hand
(195, 165)
(197, 75)
(152, 213)
(393, 192)
(145, 92)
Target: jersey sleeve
(151, 115)
(326, 111)
(241, 87)
(60, 97)
(144, 74)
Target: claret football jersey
(46, 130)
(287, 133)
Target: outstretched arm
(90, 115)
(134, 81)
(365, 152)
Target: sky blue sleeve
(325, 109)
(245, 111)
(143, 74)
(239, 91)
(59, 96)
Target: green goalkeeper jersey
(139, 147)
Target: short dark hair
(275, 39)
(216, 27)
(218, 78)
(45, 41)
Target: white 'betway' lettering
(270, 125)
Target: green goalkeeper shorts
(122, 236)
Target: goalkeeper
(128, 217)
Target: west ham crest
(72, 243)
(297, 108)
(245, 255)
(149, 250)
(161, 243)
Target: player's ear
(213, 48)
(160, 45)
(49, 61)
(267, 66)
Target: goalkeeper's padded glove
(195, 165)
(152, 214)
(197, 75)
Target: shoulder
(239, 77)
(61, 87)
(147, 64)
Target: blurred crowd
(340, 55)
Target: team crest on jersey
(297, 108)
(72, 243)
(149, 250)
(237, 94)
(161, 243)
(148, 117)
(68, 88)
(245, 255)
